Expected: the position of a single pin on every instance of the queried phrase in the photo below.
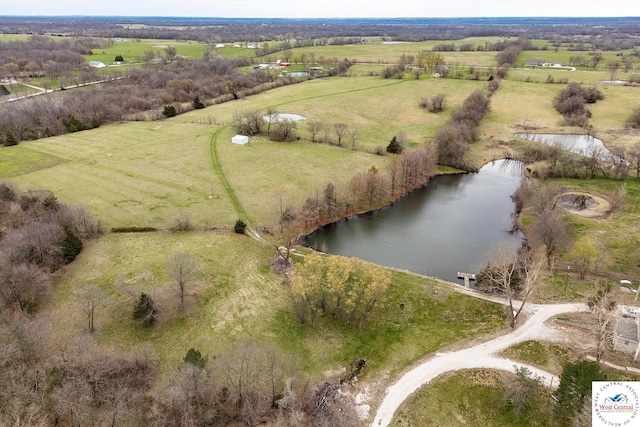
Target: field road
(478, 356)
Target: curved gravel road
(478, 356)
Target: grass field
(134, 50)
(20, 160)
(237, 297)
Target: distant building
(97, 64)
(240, 139)
(535, 62)
(542, 63)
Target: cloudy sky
(324, 8)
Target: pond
(285, 116)
(581, 144)
(447, 226)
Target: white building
(240, 139)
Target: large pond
(448, 226)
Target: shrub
(7, 192)
(379, 150)
(395, 71)
(194, 357)
(182, 222)
(435, 104)
(169, 111)
(633, 121)
(10, 140)
(197, 104)
(240, 226)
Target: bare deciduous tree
(90, 297)
(22, 284)
(602, 305)
(353, 135)
(183, 269)
(501, 275)
(340, 130)
(314, 127)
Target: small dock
(466, 277)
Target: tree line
(603, 33)
(38, 235)
(40, 53)
(139, 92)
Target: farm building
(97, 64)
(240, 139)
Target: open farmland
(148, 173)
(134, 50)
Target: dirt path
(478, 356)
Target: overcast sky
(324, 8)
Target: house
(220, 45)
(535, 63)
(240, 139)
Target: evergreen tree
(169, 111)
(194, 357)
(394, 146)
(197, 104)
(145, 310)
(575, 387)
(240, 226)
(71, 245)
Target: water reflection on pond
(448, 226)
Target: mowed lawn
(236, 297)
(133, 174)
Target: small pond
(447, 226)
(580, 144)
(286, 116)
(294, 74)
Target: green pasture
(21, 159)
(134, 174)
(133, 50)
(377, 108)
(237, 297)
(389, 54)
(146, 173)
(14, 37)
